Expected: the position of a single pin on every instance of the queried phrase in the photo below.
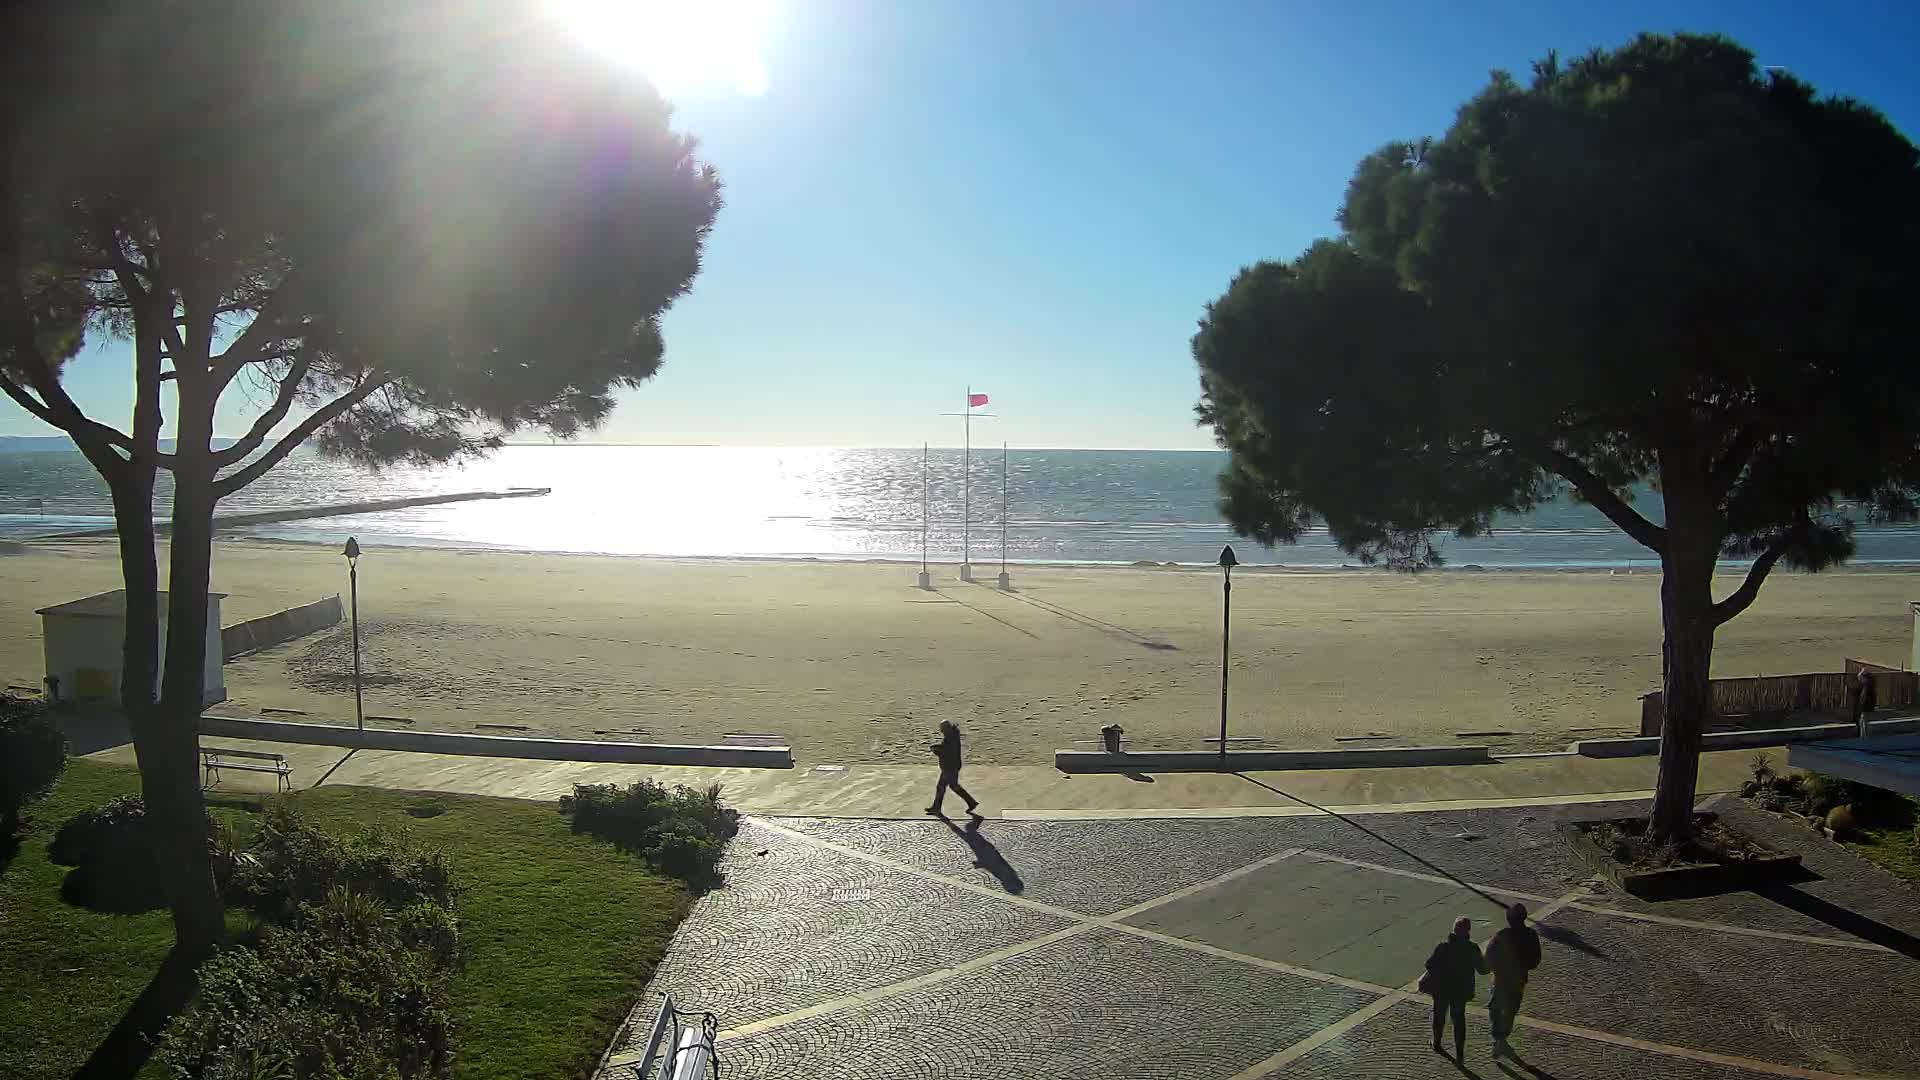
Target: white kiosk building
(83, 641)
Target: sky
(1037, 200)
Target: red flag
(976, 399)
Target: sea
(1060, 506)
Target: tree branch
(283, 397)
(250, 346)
(107, 235)
(320, 418)
(1742, 598)
(1604, 498)
(1727, 470)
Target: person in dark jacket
(948, 751)
(1450, 978)
(1863, 699)
(1512, 954)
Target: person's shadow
(986, 856)
(1532, 1072)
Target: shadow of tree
(1860, 926)
(125, 1050)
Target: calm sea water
(1111, 506)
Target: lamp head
(1228, 559)
(353, 549)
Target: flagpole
(966, 488)
(1006, 583)
(926, 579)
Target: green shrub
(1871, 805)
(291, 863)
(111, 851)
(346, 991)
(679, 831)
(32, 754)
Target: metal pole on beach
(1006, 583)
(966, 488)
(353, 589)
(1227, 562)
(926, 579)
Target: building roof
(106, 605)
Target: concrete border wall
(1072, 761)
(1740, 740)
(279, 627)
(447, 742)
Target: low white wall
(1276, 760)
(447, 742)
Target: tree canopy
(400, 231)
(408, 229)
(1654, 266)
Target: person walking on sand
(948, 751)
(1450, 979)
(1512, 954)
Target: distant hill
(55, 444)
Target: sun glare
(682, 45)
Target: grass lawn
(558, 933)
(1889, 842)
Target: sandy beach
(851, 663)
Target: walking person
(1512, 955)
(1864, 700)
(1451, 980)
(948, 751)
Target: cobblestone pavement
(1252, 947)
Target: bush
(111, 851)
(1841, 821)
(350, 979)
(679, 831)
(1870, 804)
(32, 754)
(346, 991)
(291, 863)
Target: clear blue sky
(1039, 198)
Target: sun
(682, 45)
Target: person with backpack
(1451, 980)
(1512, 954)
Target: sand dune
(852, 663)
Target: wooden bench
(213, 759)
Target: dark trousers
(950, 778)
(1441, 1008)
(1505, 1005)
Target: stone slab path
(1249, 947)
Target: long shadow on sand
(1113, 630)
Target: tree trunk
(1686, 616)
(174, 801)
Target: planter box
(1679, 882)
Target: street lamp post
(1227, 562)
(353, 588)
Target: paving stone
(1328, 916)
(1398, 1044)
(1098, 1006)
(803, 924)
(1806, 1005)
(1092, 867)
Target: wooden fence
(1781, 696)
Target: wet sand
(851, 663)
